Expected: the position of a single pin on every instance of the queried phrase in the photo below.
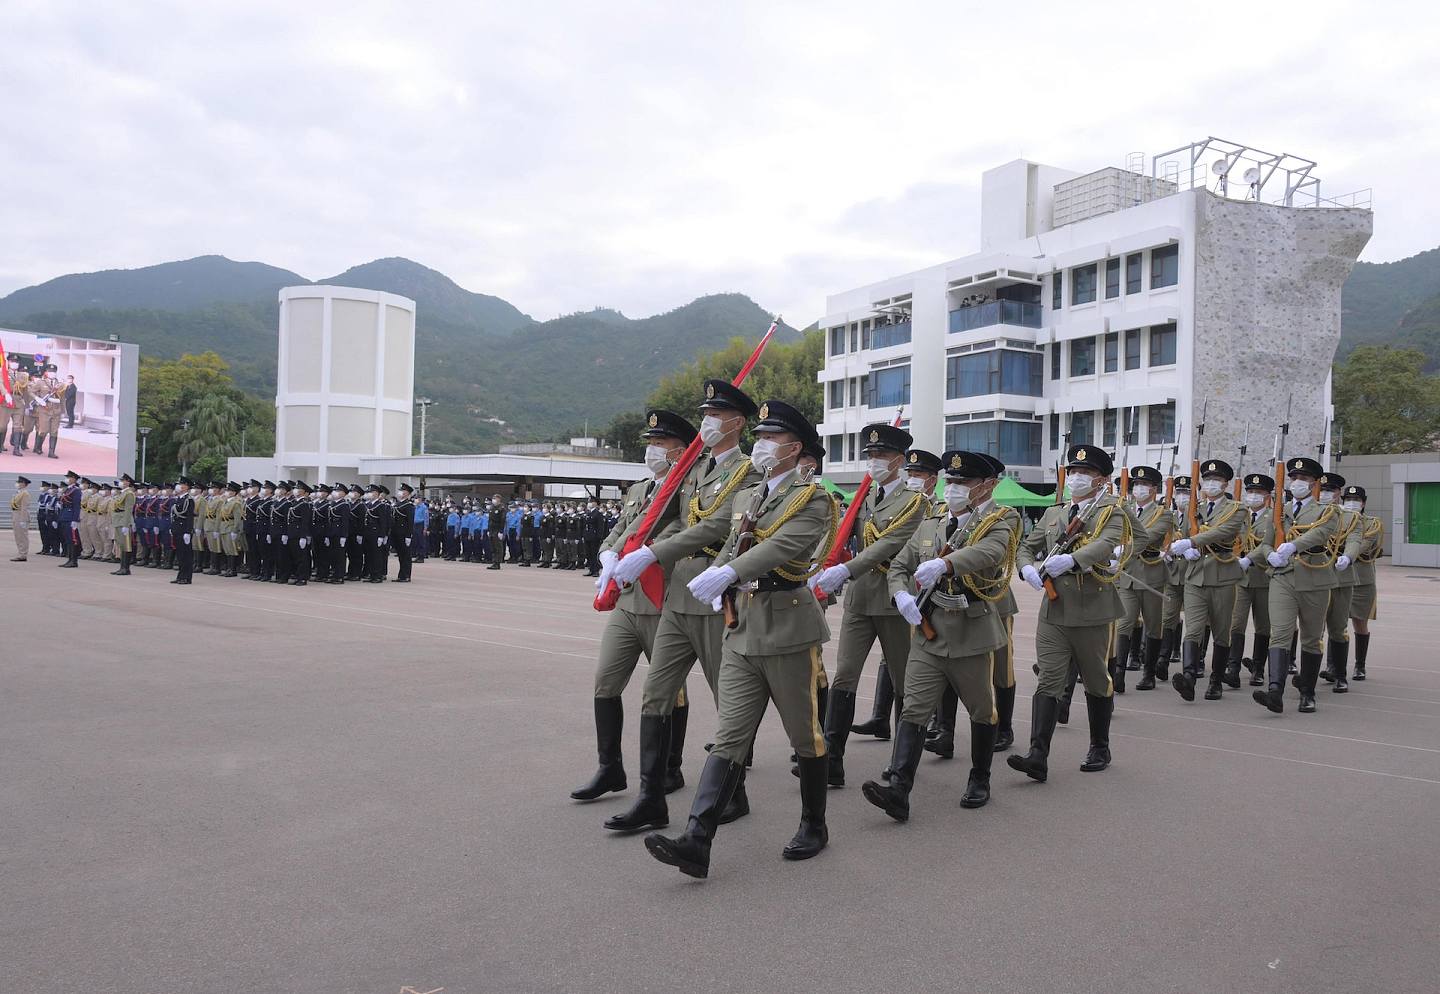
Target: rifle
(1280, 475)
(1190, 509)
(1170, 473)
(927, 627)
(1071, 535)
(852, 516)
(1060, 468)
(1132, 427)
(743, 543)
(652, 580)
(1240, 466)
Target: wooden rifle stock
(1190, 518)
(927, 627)
(1279, 508)
(1073, 531)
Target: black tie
(1209, 508)
(879, 494)
(1074, 511)
(950, 527)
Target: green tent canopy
(1012, 494)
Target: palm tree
(212, 430)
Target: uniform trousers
(971, 677)
(1337, 615)
(1289, 607)
(1140, 606)
(185, 555)
(1087, 646)
(626, 636)
(1209, 608)
(402, 555)
(1003, 673)
(22, 536)
(1174, 605)
(680, 640)
(747, 686)
(1250, 601)
(858, 633)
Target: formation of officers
(563, 535)
(288, 532)
(1125, 569)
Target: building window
(1132, 349)
(1055, 361)
(1160, 429)
(835, 450)
(837, 340)
(837, 394)
(886, 335)
(1082, 283)
(1054, 431)
(1082, 428)
(855, 338)
(1015, 443)
(1082, 357)
(995, 371)
(1109, 423)
(1112, 352)
(851, 446)
(864, 388)
(1112, 278)
(1132, 272)
(1162, 345)
(889, 387)
(1164, 266)
(1057, 291)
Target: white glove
(1115, 564)
(1277, 560)
(126, 531)
(715, 605)
(607, 569)
(1058, 565)
(609, 557)
(1245, 563)
(186, 536)
(407, 543)
(380, 540)
(1032, 576)
(711, 583)
(342, 541)
(269, 540)
(928, 572)
(1286, 549)
(1119, 552)
(1342, 563)
(1192, 553)
(813, 582)
(302, 543)
(628, 570)
(909, 610)
(1181, 546)
(284, 539)
(832, 579)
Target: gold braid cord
(873, 534)
(1159, 546)
(1295, 531)
(797, 570)
(1235, 553)
(823, 552)
(1373, 528)
(698, 514)
(1104, 573)
(995, 587)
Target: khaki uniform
(1300, 590)
(212, 524)
(1252, 593)
(1152, 525)
(1348, 540)
(105, 524)
(197, 537)
(1363, 601)
(1210, 580)
(122, 520)
(689, 630)
(48, 402)
(228, 520)
(89, 537)
(20, 522)
(12, 419)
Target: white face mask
(766, 455)
(712, 430)
(657, 459)
(1254, 500)
(1299, 489)
(1354, 505)
(1079, 485)
(1212, 488)
(878, 467)
(1182, 501)
(805, 474)
(957, 497)
(1327, 496)
(1142, 492)
(915, 483)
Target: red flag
(838, 552)
(652, 581)
(7, 398)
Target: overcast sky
(567, 155)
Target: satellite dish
(1252, 175)
(1220, 167)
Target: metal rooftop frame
(1282, 178)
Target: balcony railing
(1016, 312)
(885, 335)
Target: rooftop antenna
(1252, 180)
(1221, 168)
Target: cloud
(565, 155)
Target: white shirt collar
(775, 481)
(721, 458)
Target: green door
(1422, 513)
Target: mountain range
(496, 374)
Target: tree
(1385, 402)
(211, 431)
(198, 388)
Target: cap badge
(709, 391)
(1079, 455)
(956, 462)
(764, 411)
(874, 436)
(654, 420)
(914, 457)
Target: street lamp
(424, 403)
(143, 433)
(184, 466)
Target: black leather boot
(1036, 763)
(124, 569)
(1362, 649)
(1162, 662)
(982, 751)
(689, 852)
(1219, 663)
(1062, 715)
(1100, 709)
(837, 731)
(1233, 661)
(822, 703)
(1310, 663)
(1122, 657)
(1005, 711)
(893, 795)
(1136, 659)
(649, 809)
(1339, 665)
(812, 835)
(1151, 664)
(942, 743)
(1259, 659)
(675, 762)
(739, 805)
(1192, 670)
(609, 726)
(1278, 664)
(879, 723)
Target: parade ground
(234, 787)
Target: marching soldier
(960, 562)
(891, 515)
(122, 512)
(20, 519)
(773, 651)
(689, 629)
(1074, 544)
(1252, 593)
(1301, 578)
(1172, 618)
(402, 531)
(182, 526)
(630, 629)
(1363, 600)
(1210, 579)
(1347, 544)
(1141, 585)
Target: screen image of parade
(60, 404)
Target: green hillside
(1393, 303)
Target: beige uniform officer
(773, 652)
(1209, 547)
(1346, 545)
(959, 563)
(1252, 593)
(12, 411)
(1141, 585)
(20, 519)
(1074, 544)
(122, 523)
(214, 500)
(689, 629)
(630, 627)
(890, 515)
(197, 537)
(1363, 602)
(228, 521)
(1302, 574)
(48, 399)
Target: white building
(1100, 298)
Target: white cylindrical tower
(345, 381)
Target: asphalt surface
(237, 787)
